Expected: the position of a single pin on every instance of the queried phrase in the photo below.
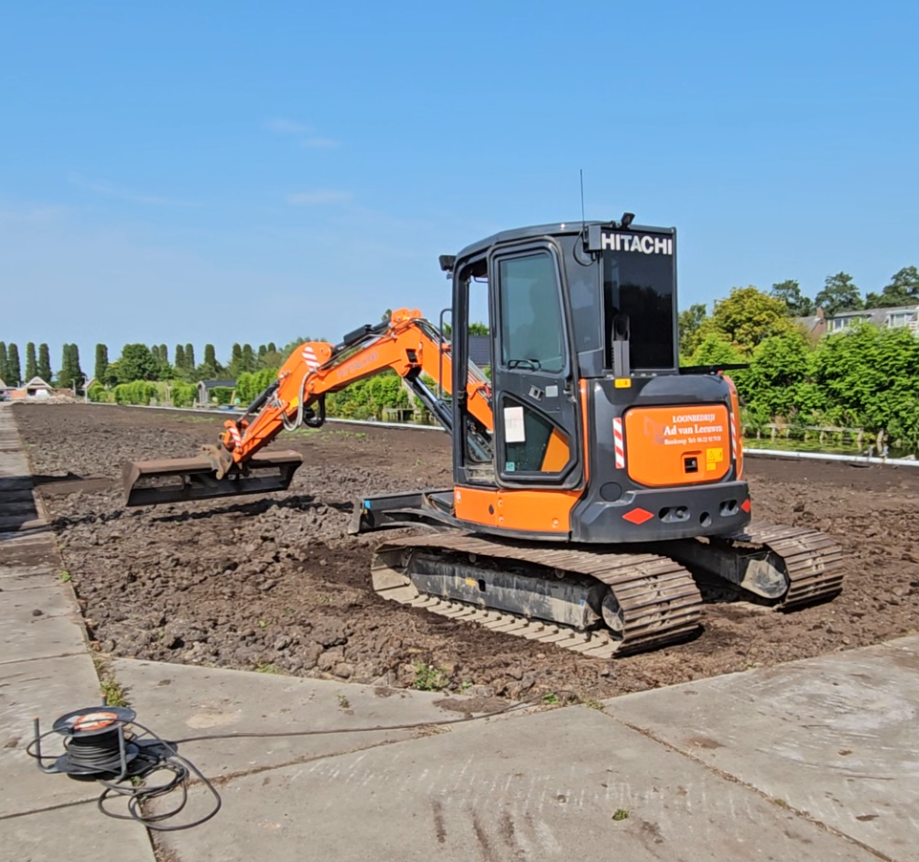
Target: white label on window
(514, 431)
(551, 392)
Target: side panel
(518, 510)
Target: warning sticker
(713, 457)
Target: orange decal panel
(684, 445)
(521, 510)
(557, 453)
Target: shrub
(98, 393)
(223, 394)
(136, 392)
(182, 394)
(249, 385)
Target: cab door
(535, 401)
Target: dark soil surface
(276, 583)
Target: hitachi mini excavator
(596, 483)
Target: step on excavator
(597, 484)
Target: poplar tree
(248, 358)
(31, 361)
(13, 369)
(101, 362)
(44, 363)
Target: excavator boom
(405, 343)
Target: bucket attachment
(178, 480)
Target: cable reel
(94, 743)
(100, 743)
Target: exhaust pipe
(178, 480)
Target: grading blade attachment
(177, 480)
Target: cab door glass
(532, 334)
(532, 444)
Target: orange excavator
(597, 484)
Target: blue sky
(257, 171)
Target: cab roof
(555, 229)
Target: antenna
(583, 220)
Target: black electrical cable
(513, 707)
(150, 754)
(170, 761)
(99, 753)
(105, 757)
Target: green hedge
(865, 377)
(98, 393)
(367, 399)
(182, 394)
(249, 385)
(222, 394)
(137, 392)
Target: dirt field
(276, 584)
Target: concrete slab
(541, 787)
(77, 834)
(835, 737)
(55, 631)
(17, 549)
(179, 701)
(46, 688)
(27, 577)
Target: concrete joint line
(49, 808)
(220, 780)
(726, 776)
(40, 658)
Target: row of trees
(137, 362)
(38, 364)
(840, 293)
(140, 362)
(866, 377)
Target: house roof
(213, 384)
(3, 385)
(35, 383)
(812, 322)
(877, 316)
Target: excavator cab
(598, 438)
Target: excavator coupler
(178, 480)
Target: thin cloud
(32, 213)
(288, 127)
(107, 189)
(319, 143)
(319, 197)
(307, 134)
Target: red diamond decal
(745, 505)
(637, 516)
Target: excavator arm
(405, 343)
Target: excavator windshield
(639, 283)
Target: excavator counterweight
(598, 488)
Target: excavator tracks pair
(658, 600)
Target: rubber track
(659, 599)
(814, 561)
